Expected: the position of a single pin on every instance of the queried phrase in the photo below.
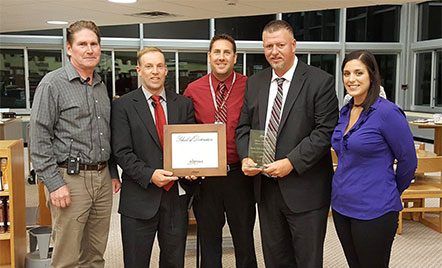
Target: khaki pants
(80, 231)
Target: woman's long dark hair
(370, 63)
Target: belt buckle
(228, 168)
(100, 166)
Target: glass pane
(104, 69)
(302, 57)
(126, 77)
(195, 29)
(170, 83)
(191, 67)
(326, 62)
(239, 66)
(41, 62)
(423, 79)
(373, 24)
(122, 31)
(50, 32)
(387, 69)
(255, 63)
(438, 78)
(243, 28)
(319, 25)
(12, 79)
(430, 21)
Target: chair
(425, 186)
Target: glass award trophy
(256, 147)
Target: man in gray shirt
(70, 149)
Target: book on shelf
(4, 164)
(2, 216)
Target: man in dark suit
(152, 199)
(297, 107)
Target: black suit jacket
(137, 149)
(308, 119)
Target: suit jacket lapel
(172, 111)
(263, 97)
(142, 107)
(294, 89)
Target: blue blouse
(365, 186)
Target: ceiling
(21, 15)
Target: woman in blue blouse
(371, 133)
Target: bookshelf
(13, 244)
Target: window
(430, 21)
(239, 66)
(122, 31)
(373, 24)
(255, 63)
(322, 25)
(243, 28)
(387, 70)
(438, 79)
(126, 77)
(302, 57)
(423, 79)
(41, 62)
(12, 79)
(104, 69)
(170, 83)
(326, 62)
(50, 32)
(195, 29)
(191, 67)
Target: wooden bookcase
(13, 244)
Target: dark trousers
(289, 239)
(367, 243)
(171, 224)
(230, 196)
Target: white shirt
(288, 76)
(149, 100)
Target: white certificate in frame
(195, 149)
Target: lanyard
(227, 95)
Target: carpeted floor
(417, 247)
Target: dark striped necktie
(221, 111)
(273, 125)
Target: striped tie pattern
(221, 112)
(272, 126)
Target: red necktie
(221, 104)
(160, 121)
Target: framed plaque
(195, 149)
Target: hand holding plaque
(256, 147)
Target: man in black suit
(297, 107)
(152, 199)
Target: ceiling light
(123, 1)
(57, 22)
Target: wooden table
(437, 134)
(424, 154)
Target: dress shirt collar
(72, 74)
(148, 95)
(228, 81)
(288, 76)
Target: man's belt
(96, 167)
(234, 166)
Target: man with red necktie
(217, 98)
(153, 201)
